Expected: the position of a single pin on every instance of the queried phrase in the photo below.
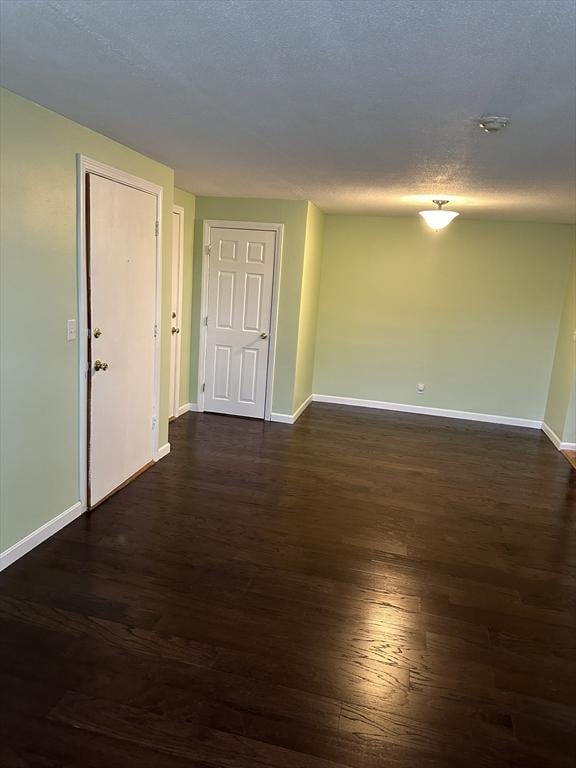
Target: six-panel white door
(240, 280)
(122, 307)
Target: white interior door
(176, 310)
(240, 280)
(122, 311)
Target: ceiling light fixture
(438, 219)
(493, 123)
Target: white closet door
(240, 280)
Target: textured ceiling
(358, 106)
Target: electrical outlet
(420, 387)
(70, 330)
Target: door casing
(278, 229)
(86, 165)
(175, 363)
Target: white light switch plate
(70, 330)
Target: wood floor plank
(362, 589)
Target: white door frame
(176, 394)
(86, 165)
(278, 229)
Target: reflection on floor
(363, 589)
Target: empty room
(288, 384)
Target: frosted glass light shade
(437, 219)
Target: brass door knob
(264, 335)
(175, 330)
(100, 366)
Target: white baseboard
(447, 413)
(549, 432)
(282, 418)
(182, 409)
(22, 547)
(162, 451)
(285, 418)
(301, 408)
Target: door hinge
(154, 422)
(208, 250)
(156, 228)
(155, 330)
(204, 387)
(205, 320)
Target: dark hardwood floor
(363, 589)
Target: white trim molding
(278, 229)
(162, 451)
(282, 418)
(286, 418)
(511, 421)
(175, 383)
(25, 545)
(549, 432)
(302, 407)
(182, 409)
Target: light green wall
(39, 384)
(291, 213)
(559, 416)
(308, 306)
(188, 202)
(471, 311)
